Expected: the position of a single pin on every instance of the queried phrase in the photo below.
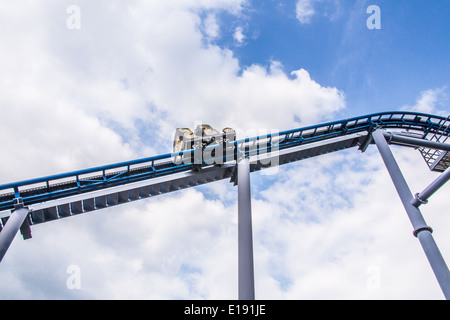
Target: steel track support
(422, 198)
(12, 226)
(245, 234)
(414, 142)
(421, 230)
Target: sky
(86, 83)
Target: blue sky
(377, 69)
(85, 84)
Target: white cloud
(430, 101)
(304, 10)
(307, 9)
(211, 26)
(239, 35)
(203, 83)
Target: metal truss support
(421, 230)
(12, 226)
(245, 233)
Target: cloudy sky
(88, 83)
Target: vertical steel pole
(245, 233)
(11, 228)
(421, 230)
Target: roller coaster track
(30, 202)
(63, 195)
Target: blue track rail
(83, 181)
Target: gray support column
(11, 228)
(245, 233)
(421, 230)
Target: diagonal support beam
(422, 198)
(12, 226)
(421, 230)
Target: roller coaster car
(203, 136)
(184, 140)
